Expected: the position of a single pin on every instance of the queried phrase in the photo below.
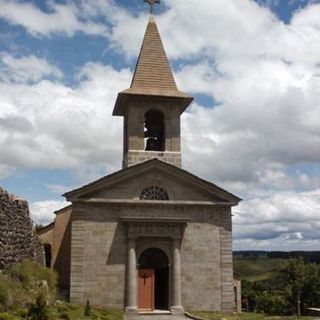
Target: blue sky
(252, 66)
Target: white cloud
(284, 216)
(226, 31)
(60, 18)
(259, 142)
(50, 125)
(26, 69)
(42, 212)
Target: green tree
(295, 273)
(311, 291)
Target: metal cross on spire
(152, 3)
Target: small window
(154, 193)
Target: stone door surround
(140, 227)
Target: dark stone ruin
(17, 235)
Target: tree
(311, 290)
(294, 272)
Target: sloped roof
(153, 75)
(127, 173)
(153, 69)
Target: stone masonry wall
(134, 157)
(17, 239)
(99, 251)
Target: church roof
(153, 75)
(127, 173)
(153, 70)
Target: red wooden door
(146, 289)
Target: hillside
(256, 269)
(262, 265)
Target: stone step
(155, 316)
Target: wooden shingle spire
(153, 75)
(153, 71)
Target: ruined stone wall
(17, 238)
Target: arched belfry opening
(154, 131)
(153, 281)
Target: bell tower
(152, 106)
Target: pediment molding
(182, 176)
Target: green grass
(253, 269)
(69, 312)
(244, 316)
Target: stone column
(132, 277)
(176, 277)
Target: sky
(253, 128)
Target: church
(151, 236)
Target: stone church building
(151, 236)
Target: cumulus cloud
(284, 216)
(60, 18)
(50, 125)
(26, 69)
(42, 212)
(260, 140)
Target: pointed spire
(153, 70)
(153, 75)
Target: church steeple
(153, 71)
(152, 106)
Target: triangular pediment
(127, 185)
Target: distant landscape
(279, 283)
(264, 265)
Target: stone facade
(17, 237)
(99, 252)
(199, 219)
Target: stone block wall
(99, 251)
(134, 157)
(17, 238)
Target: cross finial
(152, 3)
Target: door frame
(166, 250)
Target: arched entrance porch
(153, 280)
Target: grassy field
(69, 312)
(256, 269)
(245, 316)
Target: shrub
(31, 279)
(6, 292)
(273, 304)
(23, 313)
(87, 310)
(62, 308)
(39, 310)
(30, 273)
(6, 316)
(72, 307)
(65, 316)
